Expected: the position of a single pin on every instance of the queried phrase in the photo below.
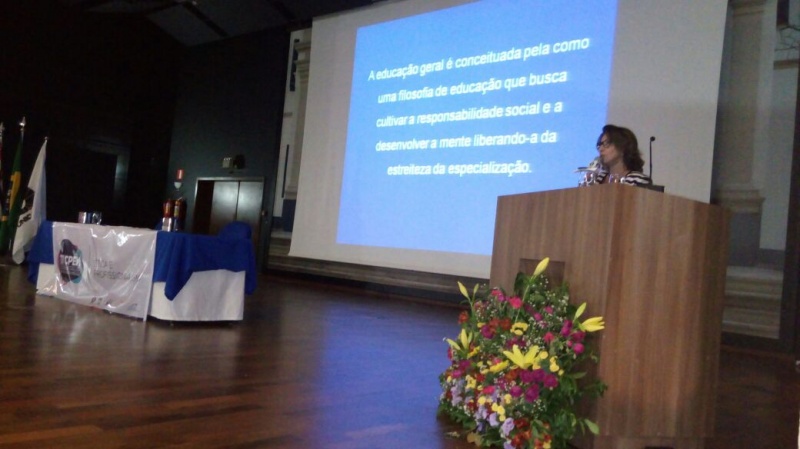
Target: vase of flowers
(517, 368)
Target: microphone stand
(652, 138)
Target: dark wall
(125, 106)
(102, 87)
(230, 103)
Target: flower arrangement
(515, 375)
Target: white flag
(32, 209)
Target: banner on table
(107, 267)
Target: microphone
(652, 139)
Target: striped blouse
(633, 178)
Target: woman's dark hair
(626, 142)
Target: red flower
(577, 336)
(463, 317)
(567, 328)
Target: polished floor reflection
(310, 366)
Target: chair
(236, 230)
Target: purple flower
(516, 391)
(507, 427)
(532, 394)
(539, 375)
(537, 316)
(529, 308)
(549, 309)
(457, 399)
(487, 332)
(550, 381)
(527, 376)
(493, 420)
(578, 348)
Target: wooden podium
(653, 265)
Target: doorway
(219, 201)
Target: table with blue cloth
(178, 256)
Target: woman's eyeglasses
(603, 144)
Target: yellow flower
(519, 328)
(593, 324)
(474, 438)
(580, 310)
(522, 360)
(499, 367)
(499, 409)
(464, 290)
(464, 340)
(471, 383)
(541, 267)
(507, 398)
(482, 400)
(554, 368)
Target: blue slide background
(448, 212)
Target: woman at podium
(621, 160)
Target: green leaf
(594, 428)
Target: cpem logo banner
(70, 262)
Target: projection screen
(421, 113)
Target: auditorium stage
(310, 366)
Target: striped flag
(32, 208)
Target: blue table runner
(178, 255)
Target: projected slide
(453, 108)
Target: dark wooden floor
(310, 367)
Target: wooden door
(221, 201)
